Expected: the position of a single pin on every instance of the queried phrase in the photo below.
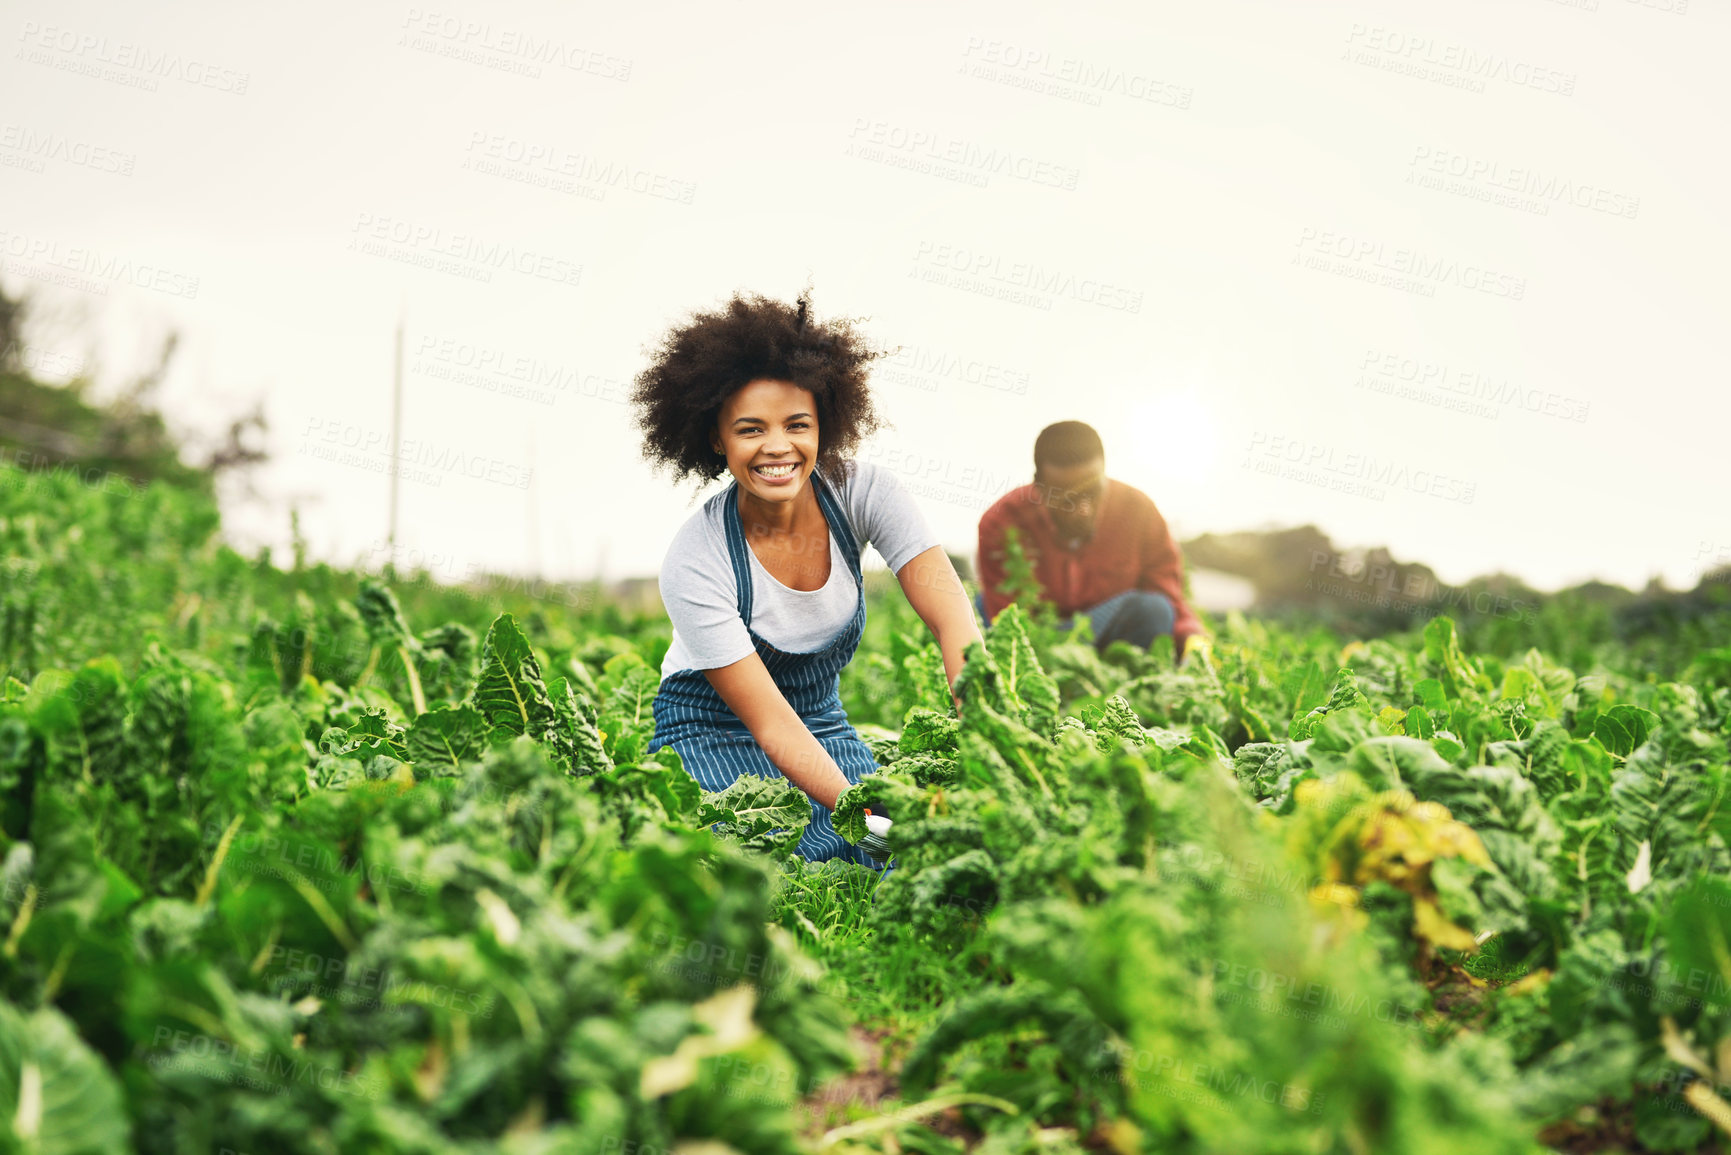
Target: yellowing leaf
(28, 1120)
(1702, 1098)
(505, 926)
(1678, 1049)
(429, 1076)
(1355, 838)
(1529, 984)
(1642, 872)
(1333, 892)
(1433, 925)
(728, 1017)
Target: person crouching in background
(1098, 547)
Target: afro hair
(699, 364)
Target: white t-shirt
(702, 599)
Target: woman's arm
(937, 595)
(754, 697)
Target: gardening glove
(876, 842)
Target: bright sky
(1437, 275)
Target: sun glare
(1175, 436)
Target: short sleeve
(886, 515)
(698, 591)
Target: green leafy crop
(302, 861)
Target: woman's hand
(754, 697)
(938, 596)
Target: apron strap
(739, 553)
(837, 519)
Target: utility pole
(396, 446)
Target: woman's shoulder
(862, 477)
(863, 488)
(885, 515)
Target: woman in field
(763, 583)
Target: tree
(45, 426)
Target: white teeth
(774, 470)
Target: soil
(865, 1087)
(1613, 1131)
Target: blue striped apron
(715, 745)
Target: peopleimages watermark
(1712, 561)
(40, 361)
(427, 566)
(926, 369)
(1409, 270)
(1670, 7)
(1519, 187)
(1352, 473)
(1196, 1082)
(359, 987)
(708, 963)
(18, 894)
(121, 62)
(265, 1070)
(1276, 882)
(1020, 282)
(344, 443)
(1459, 600)
(1694, 987)
(256, 852)
(1414, 592)
(31, 149)
(1462, 390)
(443, 365)
(89, 270)
(511, 372)
(459, 254)
(504, 49)
(551, 166)
(940, 478)
(1447, 63)
(620, 1145)
(934, 153)
(1065, 77)
(1292, 996)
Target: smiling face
(768, 433)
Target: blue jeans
(1134, 616)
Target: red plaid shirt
(1131, 549)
